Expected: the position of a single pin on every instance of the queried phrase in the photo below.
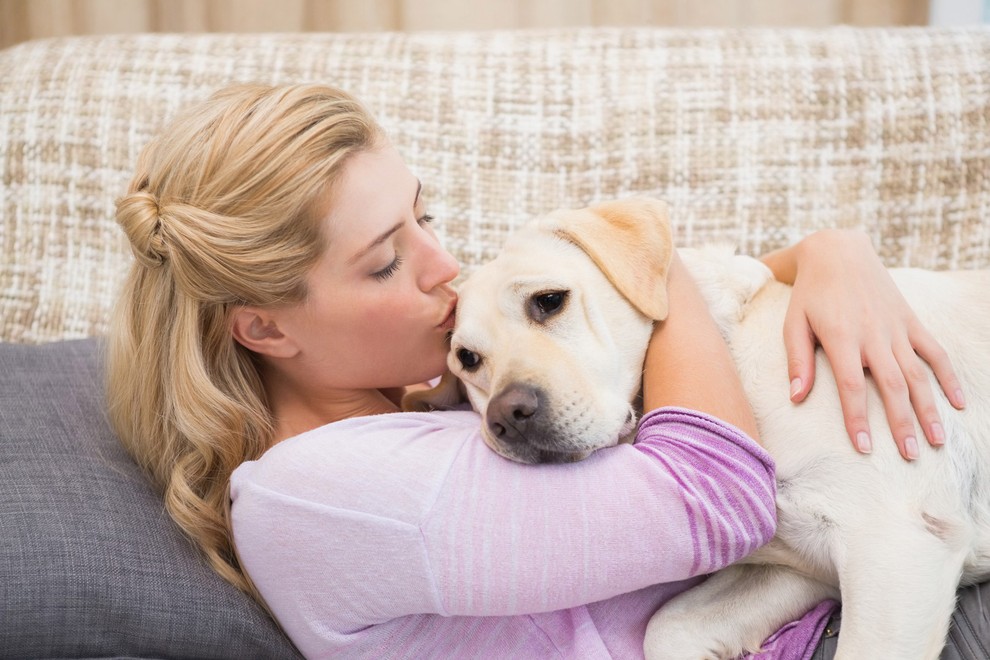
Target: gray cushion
(90, 564)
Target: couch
(756, 137)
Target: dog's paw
(685, 630)
(447, 394)
(683, 645)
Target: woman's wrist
(782, 263)
(785, 263)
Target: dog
(548, 347)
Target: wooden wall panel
(21, 20)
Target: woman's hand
(845, 300)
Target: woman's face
(380, 304)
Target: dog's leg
(732, 612)
(898, 590)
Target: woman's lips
(448, 323)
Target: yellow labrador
(549, 345)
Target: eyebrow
(388, 232)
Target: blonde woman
(286, 288)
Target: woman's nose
(440, 266)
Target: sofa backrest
(756, 137)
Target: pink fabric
(403, 535)
(798, 639)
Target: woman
(288, 287)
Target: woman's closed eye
(389, 270)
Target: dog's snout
(512, 410)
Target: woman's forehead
(375, 191)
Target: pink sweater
(403, 535)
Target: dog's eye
(546, 304)
(550, 302)
(468, 359)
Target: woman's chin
(429, 370)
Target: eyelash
(390, 269)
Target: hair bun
(139, 214)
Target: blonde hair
(223, 211)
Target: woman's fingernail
(795, 387)
(960, 399)
(938, 434)
(863, 442)
(911, 447)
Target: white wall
(959, 12)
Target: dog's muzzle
(520, 425)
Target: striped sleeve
(691, 496)
(397, 515)
(726, 482)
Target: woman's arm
(845, 300)
(688, 363)
(375, 518)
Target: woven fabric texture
(756, 137)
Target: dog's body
(549, 346)
(897, 536)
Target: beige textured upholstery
(756, 137)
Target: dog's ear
(630, 240)
(448, 393)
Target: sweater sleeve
(725, 482)
(370, 521)
(692, 495)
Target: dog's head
(551, 335)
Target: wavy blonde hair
(223, 211)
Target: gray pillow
(90, 564)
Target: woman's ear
(257, 330)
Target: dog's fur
(555, 376)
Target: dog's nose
(511, 411)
